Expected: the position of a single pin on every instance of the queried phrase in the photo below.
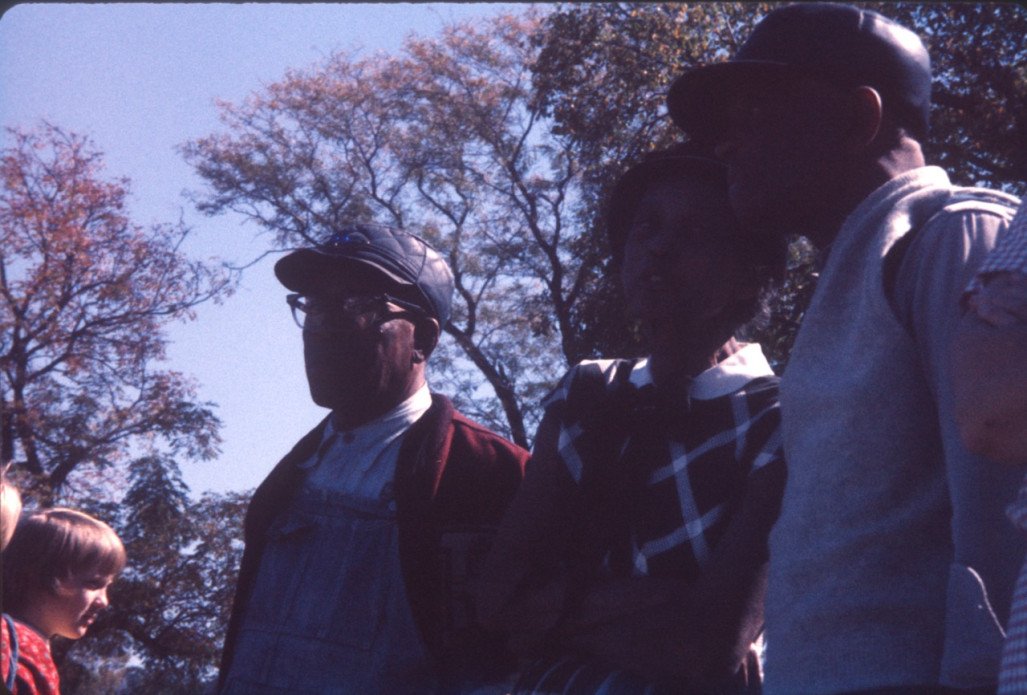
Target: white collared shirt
(696, 455)
(727, 376)
(362, 461)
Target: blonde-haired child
(56, 571)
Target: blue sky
(140, 79)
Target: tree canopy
(604, 69)
(85, 295)
(91, 422)
(499, 142)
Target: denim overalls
(329, 611)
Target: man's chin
(354, 404)
(336, 400)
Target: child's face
(75, 603)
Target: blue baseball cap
(405, 260)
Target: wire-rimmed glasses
(328, 314)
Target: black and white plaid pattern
(1009, 254)
(695, 455)
(1012, 678)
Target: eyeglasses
(364, 309)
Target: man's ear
(426, 337)
(867, 117)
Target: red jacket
(454, 480)
(36, 672)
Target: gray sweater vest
(884, 510)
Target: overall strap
(12, 672)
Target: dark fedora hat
(841, 44)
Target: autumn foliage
(85, 296)
(498, 141)
(90, 419)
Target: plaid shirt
(1009, 254)
(694, 455)
(1013, 672)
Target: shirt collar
(731, 374)
(727, 376)
(377, 433)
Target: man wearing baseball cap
(892, 564)
(362, 544)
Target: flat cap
(403, 259)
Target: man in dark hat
(363, 543)
(891, 564)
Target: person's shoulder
(476, 455)
(466, 428)
(462, 422)
(967, 202)
(30, 642)
(954, 234)
(35, 664)
(589, 379)
(605, 370)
